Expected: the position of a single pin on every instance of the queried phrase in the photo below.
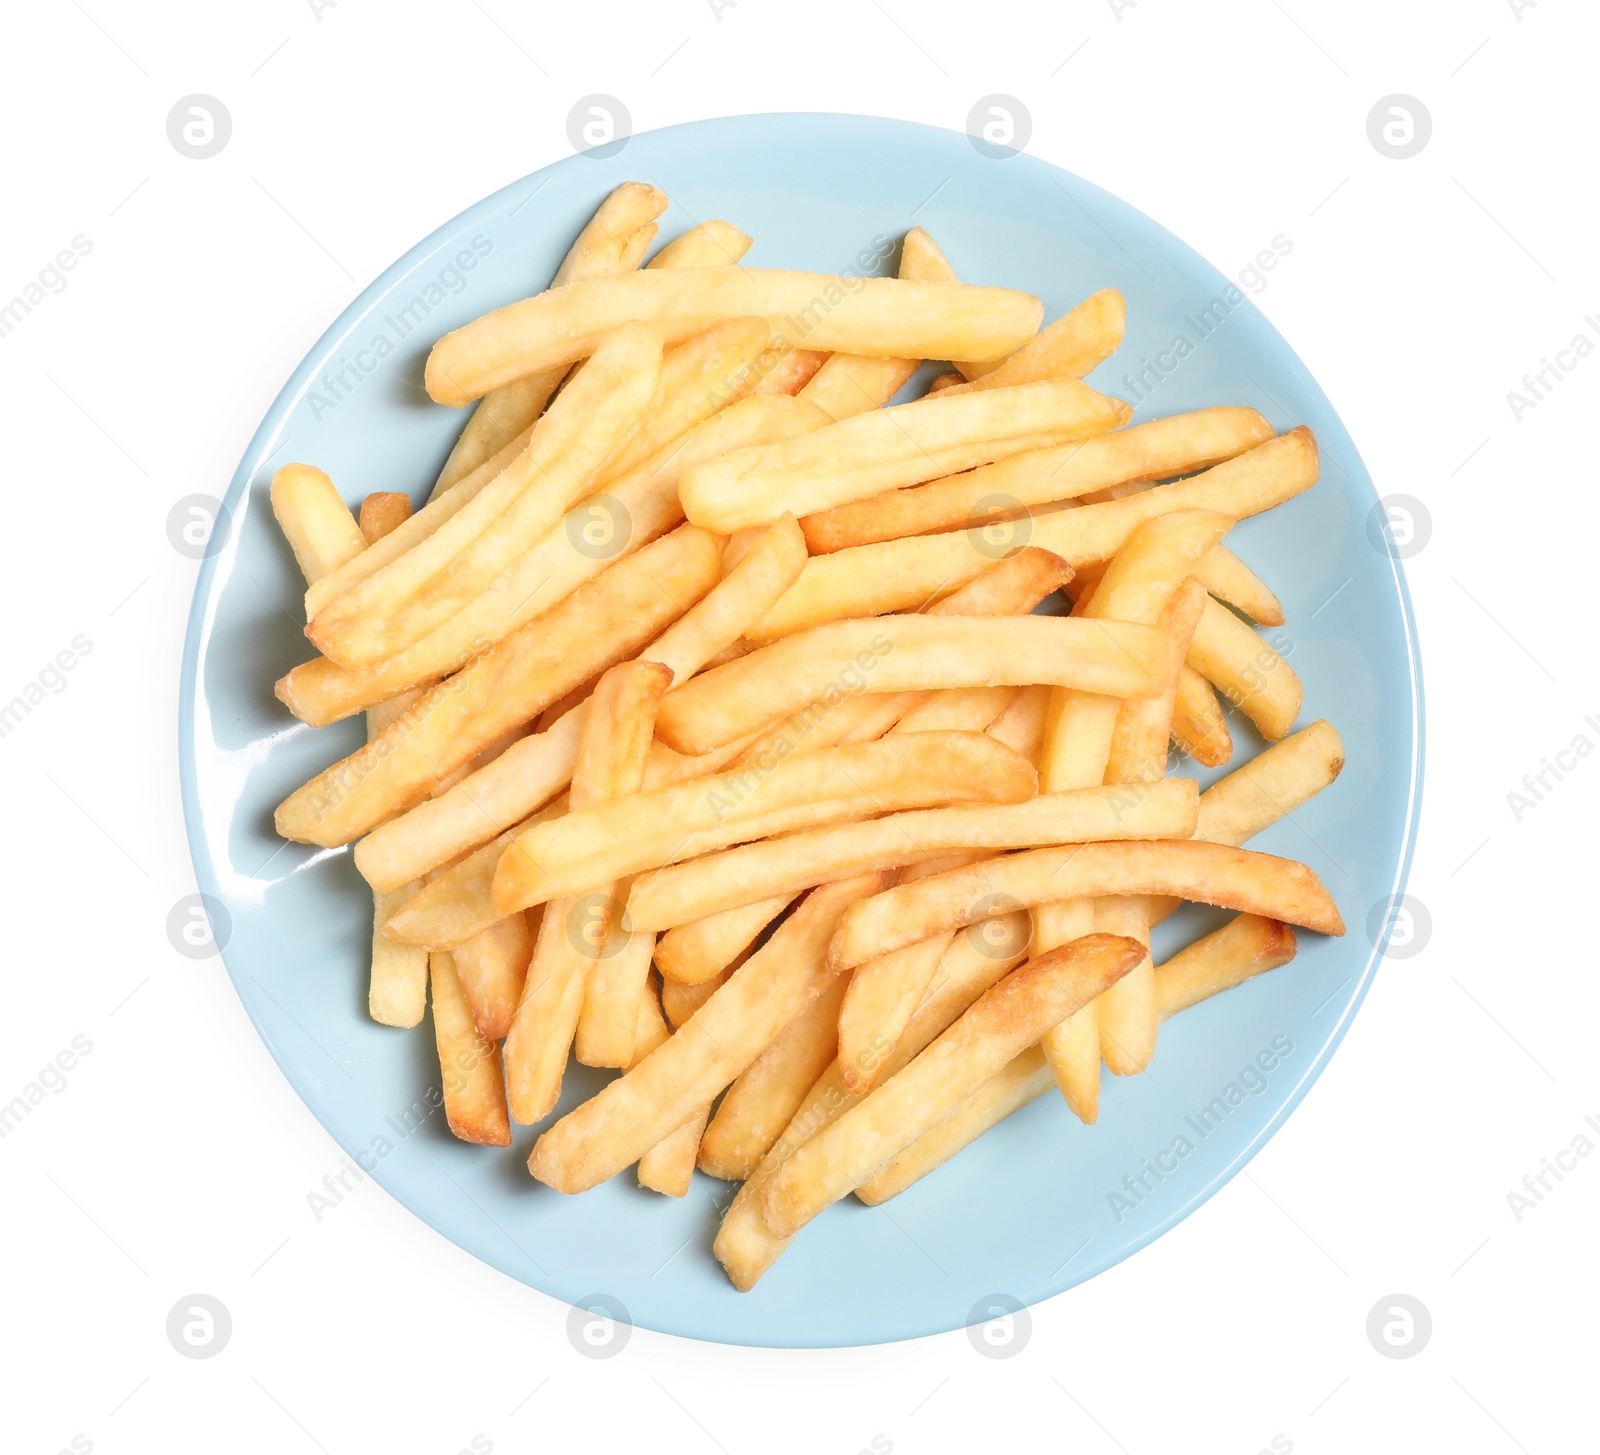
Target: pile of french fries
(712, 736)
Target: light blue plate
(1041, 1203)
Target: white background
(1419, 292)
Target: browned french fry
(698, 951)
(882, 997)
(469, 1065)
(1003, 1022)
(492, 967)
(1198, 726)
(382, 512)
(727, 1033)
(602, 622)
(317, 524)
(1230, 655)
(1150, 451)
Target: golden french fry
(1232, 656)
(702, 949)
(679, 1002)
(1208, 873)
(685, 892)
(1151, 451)
(1021, 726)
(880, 316)
(469, 1065)
(887, 449)
(668, 1167)
(1271, 786)
(895, 575)
(317, 524)
(1244, 947)
(1138, 749)
(1198, 726)
(727, 1033)
(607, 619)
(882, 997)
(1077, 342)
(769, 1091)
(706, 245)
(1002, 1022)
(595, 846)
(792, 371)
(1227, 578)
(398, 992)
(491, 968)
(908, 653)
(382, 512)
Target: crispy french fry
(469, 1065)
(684, 892)
(769, 1091)
(491, 968)
(382, 512)
(887, 449)
(317, 524)
(1230, 655)
(604, 621)
(1208, 873)
(1198, 726)
(727, 1033)
(693, 953)
(1150, 451)
(882, 997)
(595, 846)
(894, 575)
(1002, 1022)
(668, 1167)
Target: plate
(1042, 1202)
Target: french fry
(614, 240)
(693, 953)
(604, 621)
(1138, 750)
(706, 245)
(1150, 451)
(887, 449)
(679, 1002)
(793, 370)
(469, 1065)
(958, 709)
(894, 575)
(1270, 786)
(706, 886)
(612, 840)
(882, 997)
(1021, 726)
(382, 512)
(1230, 655)
(1198, 726)
(397, 994)
(491, 968)
(317, 524)
(1077, 342)
(1227, 578)
(1244, 947)
(668, 1167)
(727, 1033)
(909, 653)
(1002, 1022)
(769, 1091)
(744, 1245)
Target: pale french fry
(652, 1030)
(1245, 947)
(744, 1245)
(706, 886)
(895, 575)
(1230, 655)
(1198, 726)
(317, 524)
(612, 840)
(491, 968)
(405, 601)
(1126, 1014)
(604, 621)
(958, 709)
(727, 1033)
(887, 449)
(1077, 342)
(618, 980)
(668, 1167)
(883, 995)
(693, 953)
(1227, 578)
(1021, 726)
(397, 994)
(1271, 785)
(643, 505)
(1138, 750)
(769, 1091)
(1150, 451)
(1208, 873)
(706, 245)
(909, 653)
(614, 240)
(382, 512)
(1002, 1022)
(469, 1065)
